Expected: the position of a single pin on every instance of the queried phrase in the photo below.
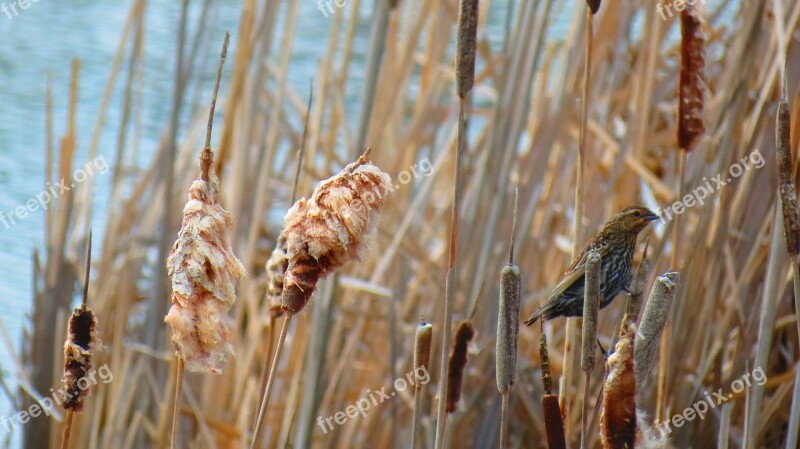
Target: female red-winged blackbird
(615, 243)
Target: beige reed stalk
(508, 329)
(591, 308)
(81, 342)
(466, 49)
(422, 357)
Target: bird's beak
(651, 216)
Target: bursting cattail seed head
(508, 327)
(591, 307)
(276, 272)
(331, 228)
(422, 346)
(692, 80)
(618, 416)
(81, 342)
(204, 272)
(457, 363)
(656, 313)
(791, 216)
(594, 5)
(466, 46)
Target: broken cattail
(594, 5)
(276, 272)
(331, 228)
(508, 327)
(791, 216)
(553, 421)
(656, 312)
(591, 307)
(204, 272)
(422, 346)
(692, 80)
(466, 47)
(638, 281)
(457, 363)
(618, 416)
(422, 357)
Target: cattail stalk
(656, 313)
(466, 50)
(553, 421)
(690, 128)
(508, 329)
(422, 357)
(199, 300)
(788, 196)
(81, 342)
(591, 308)
(618, 418)
(638, 281)
(322, 234)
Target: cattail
(618, 416)
(594, 5)
(81, 341)
(204, 272)
(692, 80)
(422, 346)
(591, 307)
(638, 281)
(466, 46)
(332, 228)
(276, 272)
(457, 363)
(553, 421)
(791, 217)
(547, 379)
(656, 312)
(508, 327)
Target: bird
(615, 243)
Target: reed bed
(732, 311)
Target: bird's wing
(576, 273)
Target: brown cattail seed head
(591, 307)
(422, 346)
(692, 80)
(457, 363)
(553, 422)
(204, 272)
(791, 216)
(618, 416)
(466, 47)
(656, 312)
(276, 272)
(330, 229)
(547, 379)
(81, 341)
(508, 327)
(594, 5)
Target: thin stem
(88, 268)
(450, 284)
(67, 430)
(585, 411)
(302, 149)
(415, 427)
(504, 420)
(207, 157)
(513, 226)
(177, 404)
(271, 380)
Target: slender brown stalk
(465, 78)
(67, 429)
(176, 405)
(553, 421)
(270, 380)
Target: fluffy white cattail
(331, 228)
(204, 272)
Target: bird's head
(633, 219)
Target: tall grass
(733, 310)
